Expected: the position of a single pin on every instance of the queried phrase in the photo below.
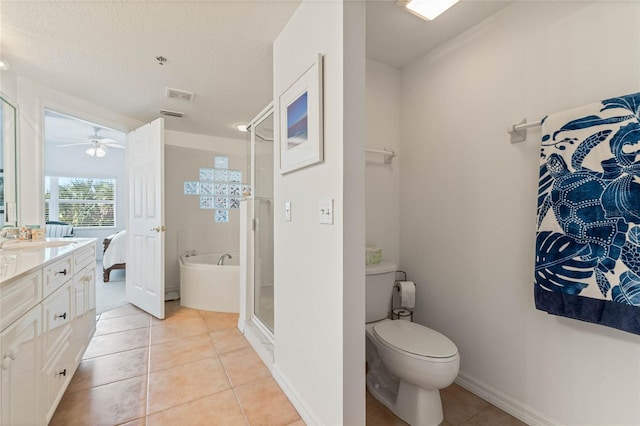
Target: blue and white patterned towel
(588, 236)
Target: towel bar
(518, 131)
(388, 155)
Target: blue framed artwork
(301, 108)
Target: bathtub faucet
(221, 260)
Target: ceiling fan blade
(66, 139)
(113, 145)
(74, 144)
(107, 140)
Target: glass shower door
(262, 153)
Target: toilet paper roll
(406, 290)
(402, 314)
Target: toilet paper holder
(399, 312)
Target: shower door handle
(161, 228)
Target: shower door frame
(254, 201)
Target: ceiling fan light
(91, 152)
(100, 152)
(427, 9)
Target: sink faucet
(221, 260)
(8, 234)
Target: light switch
(326, 211)
(287, 211)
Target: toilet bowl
(408, 363)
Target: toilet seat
(415, 340)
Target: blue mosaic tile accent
(206, 174)
(206, 202)
(235, 176)
(206, 188)
(222, 216)
(221, 189)
(191, 188)
(221, 203)
(221, 162)
(222, 175)
(235, 190)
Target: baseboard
(306, 413)
(259, 343)
(507, 404)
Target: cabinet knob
(63, 272)
(12, 353)
(63, 372)
(63, 316)
(6, 363)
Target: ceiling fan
(98, 146)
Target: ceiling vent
(172, 113)
(179, 94)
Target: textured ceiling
(104, 51)
(396, 37)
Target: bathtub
(207, 286)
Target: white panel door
(145, 218)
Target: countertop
(31, 255)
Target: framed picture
(300, 107)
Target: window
(82, 202)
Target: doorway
(85, 185)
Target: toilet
(407, 363)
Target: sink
(22, 245)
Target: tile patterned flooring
(196, 368)
(193, 368)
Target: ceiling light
(426, 9)
(96, 152)
(4, 65)
(242, 127)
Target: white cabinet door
(19, 368)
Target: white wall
(468, 203)
(188, 226)
(383, 180)
(319, 269)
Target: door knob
(161, 228)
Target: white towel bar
(518, 131)
(388, 155)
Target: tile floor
(196, 368)
(461, 408)
(193, 368)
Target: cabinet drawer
(56, 376)
(17, 297)
(56, 274)
(56, 319)
(84, 257)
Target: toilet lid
(414, 338)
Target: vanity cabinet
(20, 369)
(48, 317)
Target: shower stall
(257, 284)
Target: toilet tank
(378, 290)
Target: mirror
(8, 183)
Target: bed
(115, 252)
